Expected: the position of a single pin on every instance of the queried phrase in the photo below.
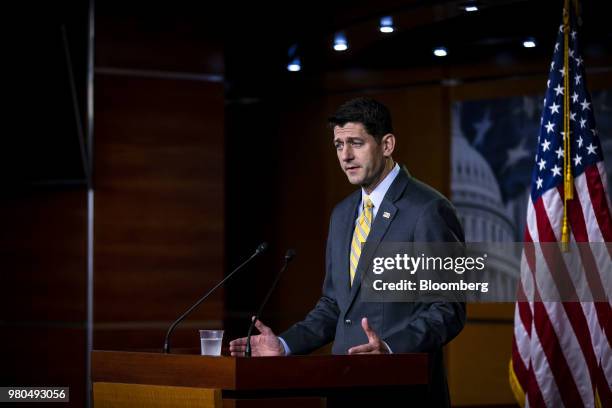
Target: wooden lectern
(132, 379)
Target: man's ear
(388, 144)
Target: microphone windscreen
(262, 247)
(290, 254)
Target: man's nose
(346, 154)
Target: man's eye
(357, 143)
(338, 146)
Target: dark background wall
(204, 146)
(43, 202)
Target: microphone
(261, 248)
(288, 257)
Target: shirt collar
(380, 191)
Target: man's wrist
(284, 346)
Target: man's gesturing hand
(264, 344)
(374, 346)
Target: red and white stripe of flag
(561, 351)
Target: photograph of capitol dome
(492, 158)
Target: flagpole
(567, 164)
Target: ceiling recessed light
(340, 42)
(294, 65)
(470, 6)
(386, 24)
(529, 43)
(440, 52)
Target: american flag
(561, 353)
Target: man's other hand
(374, 345)
(264, 344)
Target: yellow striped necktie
(362, 229)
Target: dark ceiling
(258, 39)
(254, 38)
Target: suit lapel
(348, 225)
(384, 217)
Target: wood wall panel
(42, 288)
(181, 38)
(43, 252)
(159, 225)
(149, 336)
(253, 188)
(477, 365)
(303, 205)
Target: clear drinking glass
(210, 342)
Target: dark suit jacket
(418, 213)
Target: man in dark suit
(390, 206)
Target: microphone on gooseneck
(260, 249)
(288, 257)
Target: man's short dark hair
(374, 116)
